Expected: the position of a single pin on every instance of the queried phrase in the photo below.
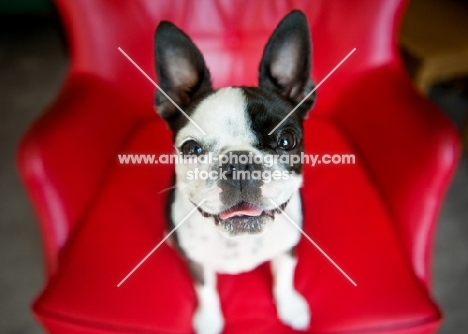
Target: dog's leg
(208, 317)
(292, 308)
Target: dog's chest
(202, 242)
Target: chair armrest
(63, 157)
(410, 150)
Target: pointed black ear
(181, 71)
(286, 62)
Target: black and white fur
(237, 120)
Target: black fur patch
(265, 110)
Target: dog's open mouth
(241, 209)
(245, 218)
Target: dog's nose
(239, 169)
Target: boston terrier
(241, 221)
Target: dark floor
(32, 66)
(451, 248)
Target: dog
(240, 223)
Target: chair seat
(343, 213)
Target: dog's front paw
(293, 310)
(208, 321)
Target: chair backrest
(231, 35)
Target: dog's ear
(181, 71)
(286, 62)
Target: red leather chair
(99, 218)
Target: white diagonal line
(313, 90)
(160, 243)
(315, 244)
(157, 86)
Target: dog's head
(248, 170)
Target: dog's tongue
(242, 209)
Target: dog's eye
(286, 140)
(191, 148)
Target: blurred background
(33, 63)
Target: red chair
(99, 218)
